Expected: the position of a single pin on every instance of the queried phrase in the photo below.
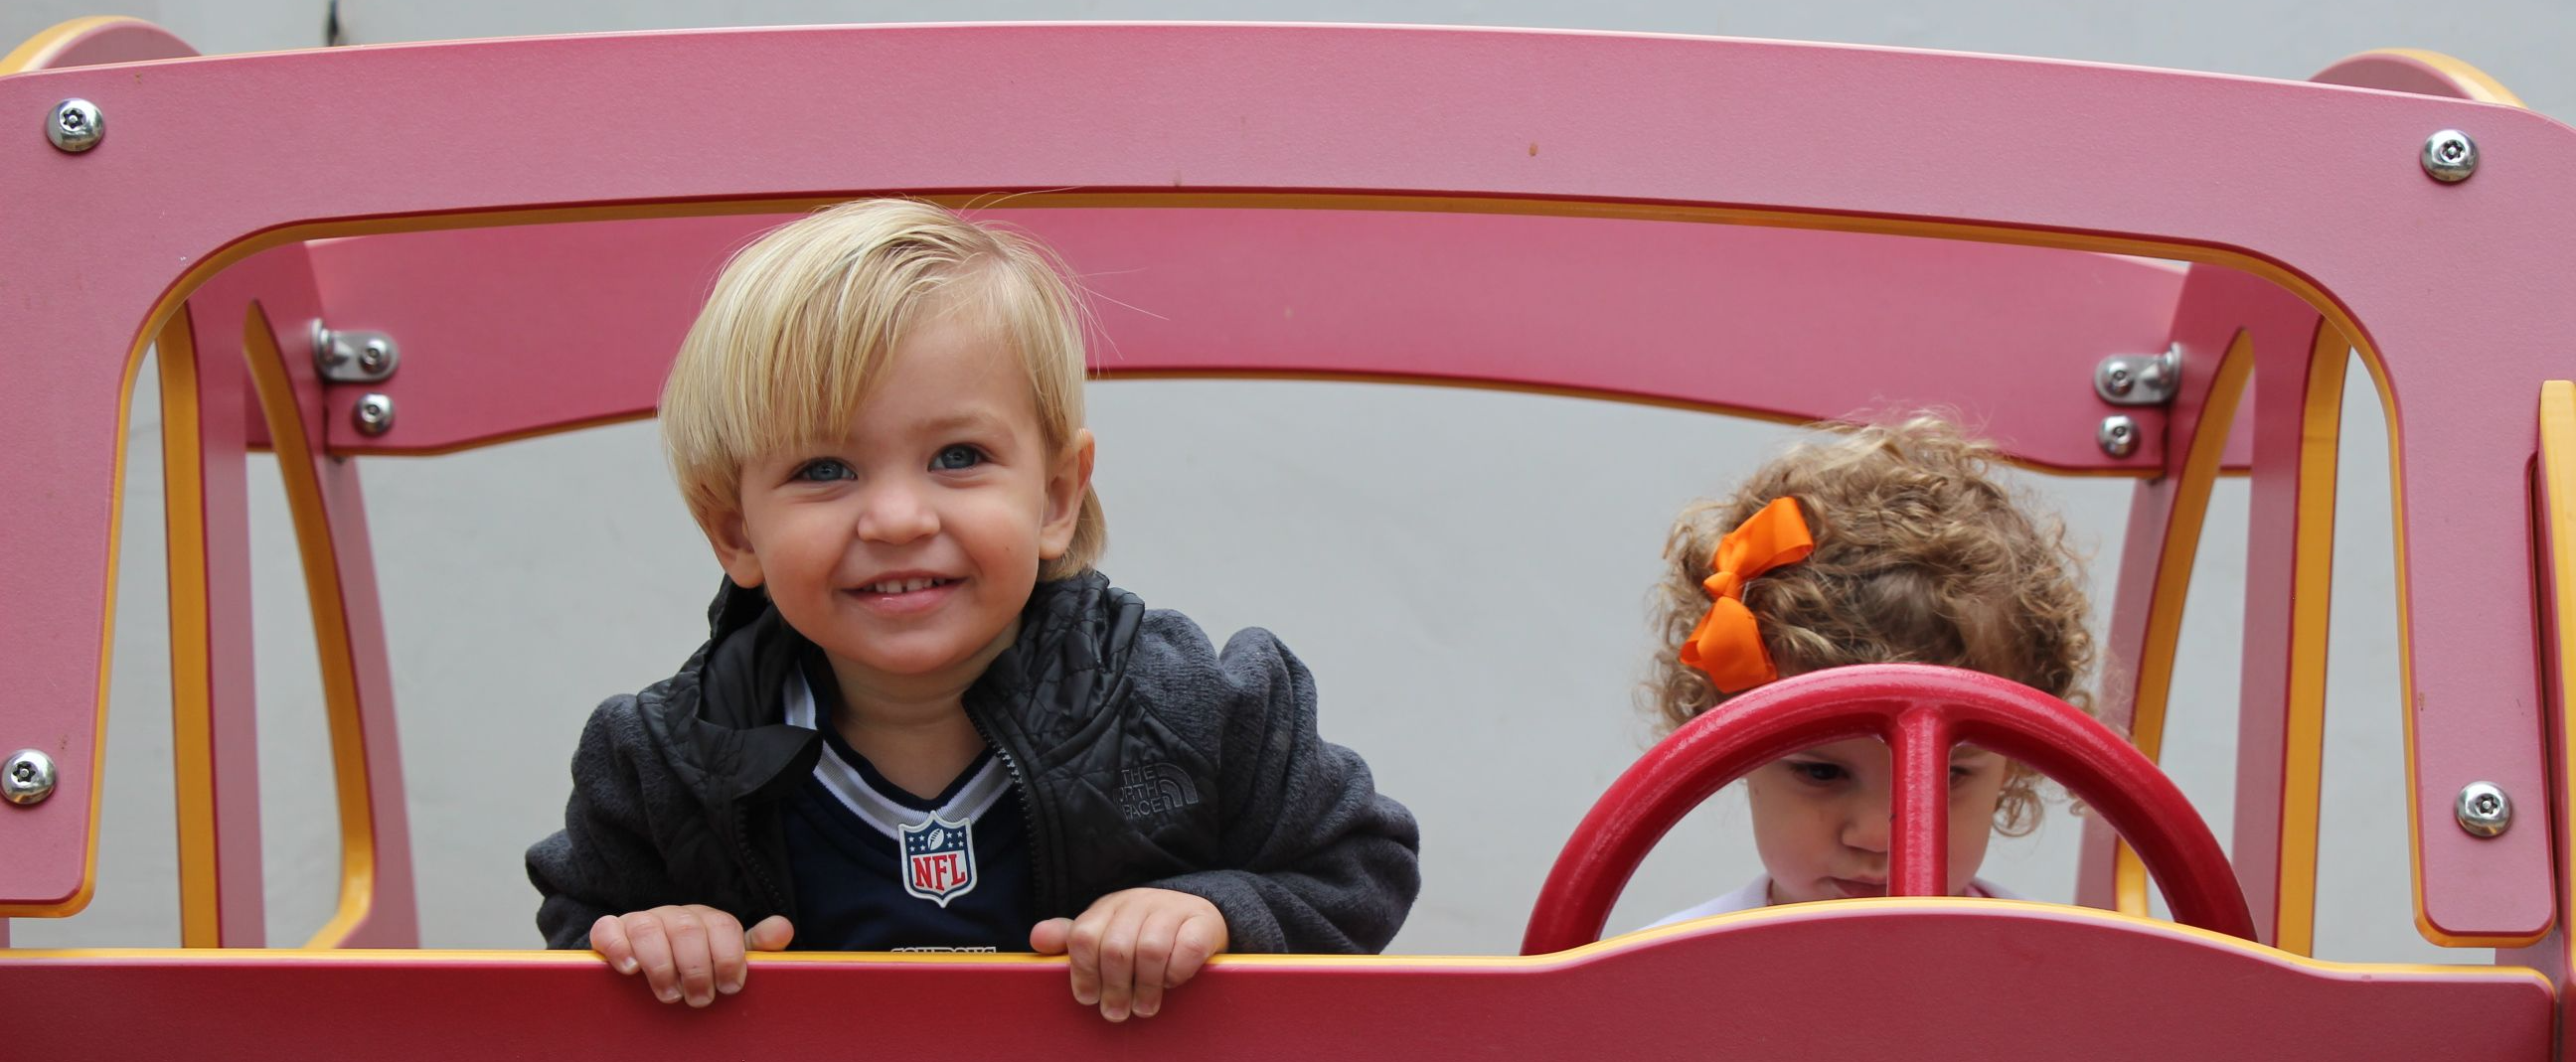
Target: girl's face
(1821, 818)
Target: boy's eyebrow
(978, 419)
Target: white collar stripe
(800, 705)
(880, 812)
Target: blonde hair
(797, 332)
(1921, 557)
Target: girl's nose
(896, 513)
(1866, 825)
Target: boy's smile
(904, 593)
(907, 548)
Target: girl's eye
(1960, 774)
(957, 457)
(824, 470)
(1816, 772)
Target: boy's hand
(690, 952)
(1131, 946)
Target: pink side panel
(225, 412)
(2445, 852)
(1973, 981)
(511, 330)
(2322, 180)
(121, 41)
(281, 283)
(2280, 394)
(2215, 306)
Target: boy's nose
(896, 513)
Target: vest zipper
(1046, 902)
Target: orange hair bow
(1727, 644)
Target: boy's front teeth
(903, 587)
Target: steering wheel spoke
(1919, 847)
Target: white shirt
(1758, 894)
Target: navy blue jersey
(879, 869)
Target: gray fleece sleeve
(604, 861)
(1317, 860)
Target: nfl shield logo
(939, 859)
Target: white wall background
(1464, 570)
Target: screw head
(27, 777)
(2484, 810)
(2119, 435)
(374, 355)
(374, 413)
(2450, 156)
(75, 125)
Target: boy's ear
(732, 541)
(1067, 481)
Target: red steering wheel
(1920, 711)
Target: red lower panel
(1965, 979)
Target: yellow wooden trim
(2311, 587)
(192, 748)
(2181, 551)
(296, 453)
(2558, 472)
(1356, 964)
(36, 51)
(2480, 85)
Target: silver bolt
(2484, 810)
(27, 778)
(2119, 380)
(2119, 435)
(2450, 156)
(375, 355)
(75, 125)
(374, 413)
(327, 351)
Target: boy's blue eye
(824, 469)
(957, 457)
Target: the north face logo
(1154, 789)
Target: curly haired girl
(1882, 544)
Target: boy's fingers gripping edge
(1051, 937)
(770, 934)
(1082, 950)
(608, 938)
(693, 954)
(1155, 936)
(652, 953)
(1201, 938)
(1118, 959)
(726, 942)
